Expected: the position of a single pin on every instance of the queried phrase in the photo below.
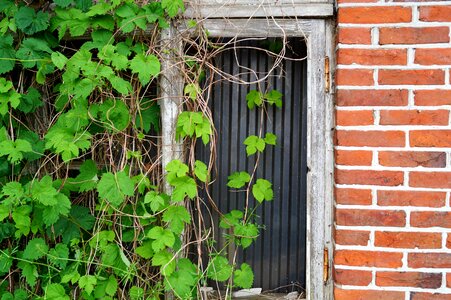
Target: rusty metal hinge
(326, 74)
(326, 265)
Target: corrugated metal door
(278, 255)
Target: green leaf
(71, 19)
(247, 233)
(120, 85)
(219, 269)
(111, 286)
(43, 191)
(69, 228)
(87, 283)
(183, 280)
(145, 250)
(59, 60)
(34, 52)
(262, 190)
(149, 117)
(6, 261)
(231, 219)
(15, 149)
(184, 186)
(113, 114)
(177, 216)
(67, 142)
(59, 255)
(4, 212)
(238, 179)
(274, 97)
(270, 139)
(30, 101)
(13, 193)
(8, 96)
(136, 293)
(186, 123)
(201, 170)
(63, 3)
(166, 261)
(156, 201)
(21, 217)
(145, 66)
(31, 22)
(253, 99)
(87, 179)
(173, 7)
(36, 248)
(29, 271)
(244, 277)
(55, 291)
(114, 187)
(176, 168)
(253, 144)
(52, 213)
(192, 90)
(7, 54)
(162, 237)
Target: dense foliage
(82, 212)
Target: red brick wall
(393, 150)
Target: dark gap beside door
(278, 255)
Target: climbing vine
(82, 210)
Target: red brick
(372, 97)
(413, 279)
(413, 35)
(354, 117)
(448, 280)
(370, 138)
(353, 158)
(448, 241)
(435, 13)
(354, 77)
(340, 294)
(429, 296)
(372, 56)
(421, 77)
(352, 237)
(370, 15)
(430, 219)
(412, 159)
(430, 179)
(369, 177)
(352, 277)
(414, 117)
(411, 240)
(354, 35)
(368, 258)
(353, 196)
(429, 260)
(430, 138)
(367, 217)
(411, 198)
(432, 97)
(437, 56)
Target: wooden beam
(171, 98)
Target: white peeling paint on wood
(171, 95)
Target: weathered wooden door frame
(318, 36)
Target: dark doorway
(278, 255)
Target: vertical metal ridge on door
(278, 255)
